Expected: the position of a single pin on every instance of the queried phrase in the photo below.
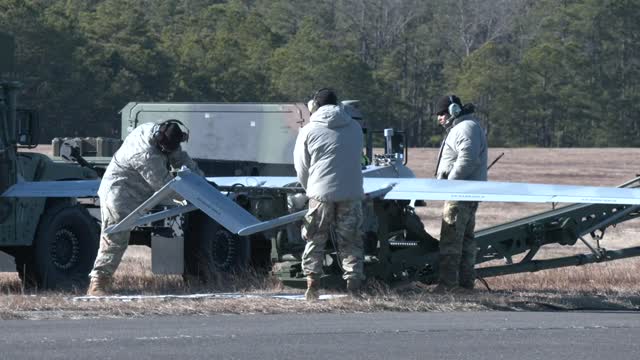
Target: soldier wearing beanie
(327, 161)
(462, 156)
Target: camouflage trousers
(112, 246)
(457, 244)
(345, 220)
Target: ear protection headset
(454, 108)
(160, 134)
(313, 105)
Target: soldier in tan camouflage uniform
(463, 156)
(327, 158)
(138, 169)
(457, 245)
(345, 219)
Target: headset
(161, 139)
(454, 108)
(313, 105)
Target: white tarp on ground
(128, 298)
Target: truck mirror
(28, 128)
(398, 143)
(395, 144)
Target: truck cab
(53, 241)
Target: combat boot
(312, 293)
(448, 272)
(353, 288)
(99, 286)
(467, 284)
(467, 274)
(354, 285)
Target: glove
(297, 201)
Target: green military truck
(53, 241)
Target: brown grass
(612, 285)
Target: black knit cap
(442, 106)
(326, 97)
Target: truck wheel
(65, 247)
(210, 248)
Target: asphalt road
(468, 335)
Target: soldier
(327, 161)
(138, 169)
(463, 156)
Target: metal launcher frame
(506, 242)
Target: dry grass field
(613, 285)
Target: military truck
(53, 241)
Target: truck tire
(210, 248)
(65, 247)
